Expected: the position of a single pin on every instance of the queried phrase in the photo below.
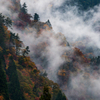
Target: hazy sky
(70, 23)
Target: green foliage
(2, 42)
(21, 61)
(5, 21)
(24, 81)
(44, 74)
(36, 17)
(17, 37)
(24, 8)
(2, 33)
(26, 51)
(3, 84)
(14, 85)
(26, 88)
(12, 37)
(35, 90)
(46, 95)
(17, 43)
(60, 96)
(19, 66)
(26, 85)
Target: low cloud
(74, 26)
(84, 86)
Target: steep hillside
(20, 78)
(43, 61)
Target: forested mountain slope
(36, 62)
(19, 77)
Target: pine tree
(36, 17)
(14, 86)
(17, 44)
(3, 84)
(7, 22)
(12, 37)
(46, 95)
(24, 8)
(61, 96)
(23, 15)
(26, 51)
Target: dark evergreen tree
(44, 74)
(14, 85)
(5, 21)
(61, 96)
(35, 91)
(46, 95)
(2, 35)
(3, 83)
(24, 8)
(17, 44)
(8, 22)
(26, 51)
(24, 16)
(12, 37)
(36, 17)
(17, 37)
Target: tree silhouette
(46, 95)
(5, 21)
(23, 15)
(61, 96)
(3, 83)
(14, 86)
(26, 51)
(36, 17)
(24, 8)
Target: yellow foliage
(7, 66)
(5, 28)
(46, 27)
(9, 55)
(28, 62)
(18, 43)
(1, 49)
(8, 31)
(62, 72)
(7, 50)
(16, 62)
(13, 50)
(50, 89)
(65, 45)
(1, 97)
